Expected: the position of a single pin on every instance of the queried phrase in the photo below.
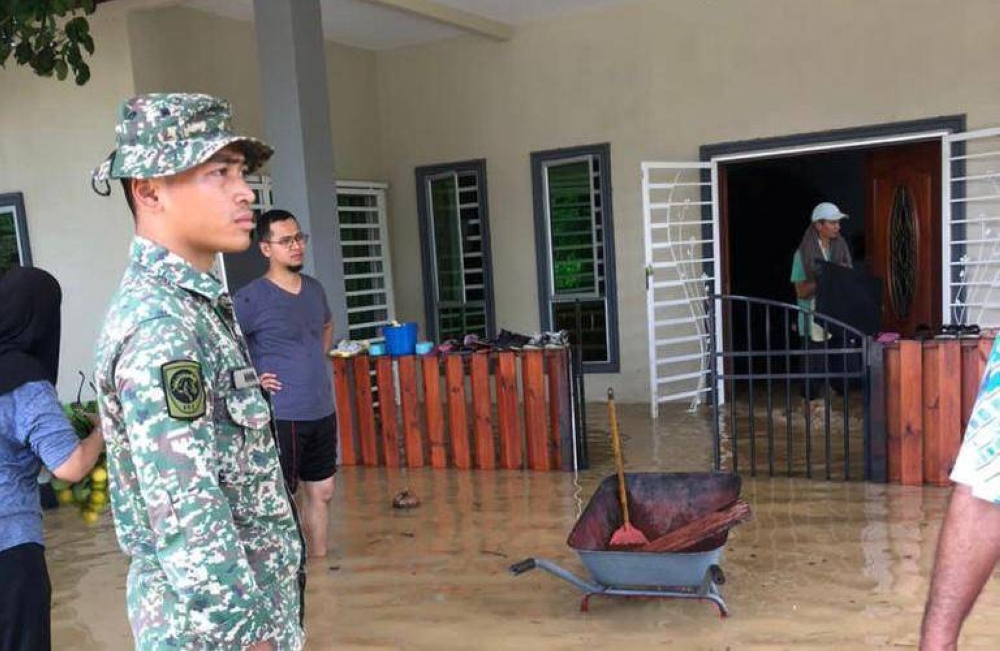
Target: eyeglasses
(287, 242)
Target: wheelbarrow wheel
(718, 576)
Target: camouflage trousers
(159, 621)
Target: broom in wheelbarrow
(626, 536)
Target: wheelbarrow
(658, 503)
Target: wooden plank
(533, 376)
(410, 397)
(559, 417)
(433, 411)
(892, 418)
(949, 413)
(911, 416)
(694, 532)
(345, 419)
(931, 398)
(458, 420)
(508, 417)
(365, 410)
(387, 410)
(482, 407)
(971, 377)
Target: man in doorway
(196, 488)
(969, 544)
(821, 242)
(287, 322)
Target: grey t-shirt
(285, 335)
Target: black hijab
(29, 327)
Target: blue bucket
(401, 339)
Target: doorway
(892, 195)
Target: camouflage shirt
(196, 489)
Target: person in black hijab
(33, 431)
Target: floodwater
(828, 565)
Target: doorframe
(936, 128)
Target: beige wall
(179, 49)
(657, 80)
(654, 79)
(52, 134)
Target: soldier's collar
(175, 269)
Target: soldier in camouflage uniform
(196, 488)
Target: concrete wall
(178, 49)
(52, 134)
(657, 80)
(141, 47)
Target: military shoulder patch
(184, 389)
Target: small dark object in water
(405, 500)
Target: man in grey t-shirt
(287, 324)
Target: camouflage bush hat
(161, 134)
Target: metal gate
(681, 255)
(786, 404)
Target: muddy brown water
(824, 565)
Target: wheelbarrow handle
(521, 567)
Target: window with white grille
(456, 252)
(14, 248)
(575, 245)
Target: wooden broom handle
(616, 445)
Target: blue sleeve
(41, 425)
(246, 312)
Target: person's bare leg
(314, 498)
(968, 549)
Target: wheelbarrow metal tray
(658, 503)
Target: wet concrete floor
(828, 565)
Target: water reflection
(823, 565)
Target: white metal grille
(971, 233)
(681, 243)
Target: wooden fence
(930, 388)
(456, 411)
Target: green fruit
(81, 492)
(59, 484)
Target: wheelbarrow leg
(709, 589)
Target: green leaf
(89, 6)
(76, 28)
(82, 74)
(61, 69)
(87, 42)
(23, 52)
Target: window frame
(13, 202)
(423, 175)
(540, 161)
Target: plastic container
(425, 347)
(376, 349)
(401, 339)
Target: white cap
(827, 211)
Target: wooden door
(903, 232)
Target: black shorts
(25, 597)
(308, 449)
